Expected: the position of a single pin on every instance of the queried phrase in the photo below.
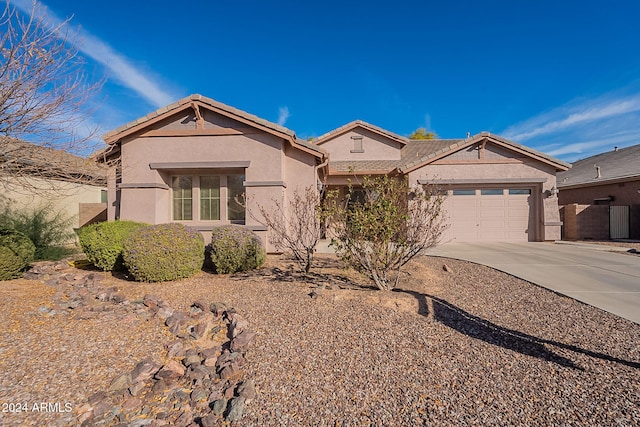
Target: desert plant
(385, 224)
(49, 229)
(16, 252)
(235, 248)
(298, 230)
(102, 243)
(163, 252)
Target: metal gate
(619, 222)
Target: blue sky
(562, 77)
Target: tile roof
(370, 166)
(418, 152)
(112, 136)
(360, 123)
(30, 159)
(435, 147)
(614, 165)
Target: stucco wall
(62, 196)
(376, 147)
(540, 176)
(275, 169)
(624, 193)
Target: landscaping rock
(121, 382)
(219, 406)
(242, 341)
(136, 388)
(176, 349)
(171, 371)
(247, 389)
(164, 313)
(151, 300)
(192, 360)
(237, 409)
(144, 371)
(217, 309)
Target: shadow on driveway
(484, 330)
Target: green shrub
(102, 242)
(16, 252)
(235, 248)
(163, 252)
(48, 229)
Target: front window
(182, 197)
(235, 191)
(209, 198)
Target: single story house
(192, 160)
(600, 195)
(33, 176)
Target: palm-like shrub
(102, 243)
(163, 252)
(16, 252)
(235, 248)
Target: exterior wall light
(552, 192)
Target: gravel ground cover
(468, 346)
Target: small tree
(385, 227)
(44, 92)
(423, 133)
(298, 230)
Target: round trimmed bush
(16, 252)
(102, 242)
(163, 252)
(235, 248)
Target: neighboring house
(32, 177)
(189, 161)
(606, 191)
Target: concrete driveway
(589, 273)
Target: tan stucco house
(189, 162)
(33, 177)
(601, 195)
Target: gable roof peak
(365, 125)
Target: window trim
(195, 199)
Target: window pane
(182, 197)
(513, 191)
(464, 192)
(491, 192)
(209, 198)
(235, 190)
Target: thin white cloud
(602, 144)
(283, 115)
(119, 66)
(571, 116)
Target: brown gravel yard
(472, 346)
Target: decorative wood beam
(199, 119)
(482, 147)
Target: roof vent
(615, 148)
(598, 175)
(468, 135)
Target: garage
(489, 214)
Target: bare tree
(43, 89)
(298, 229)
(387, 226)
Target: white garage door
(488, 214)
